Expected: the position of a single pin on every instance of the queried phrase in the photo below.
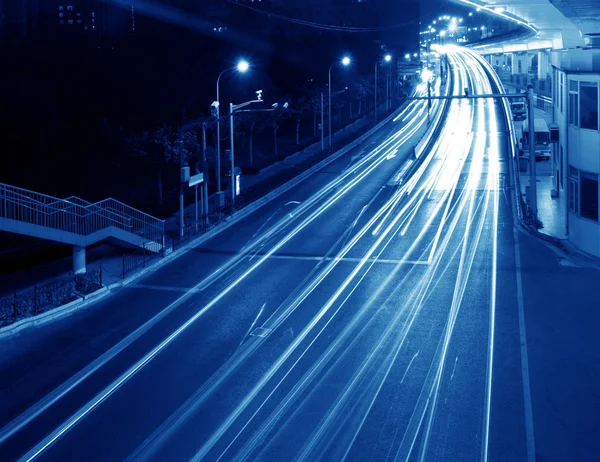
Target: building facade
(576, 74)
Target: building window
(60, 8)
(562, 90)
(70, 8)
(574, 190)
(519, 66)
(61, 21)
(70, 21)
(589, 195)
(60, 15)
(573, 103)
(555, 87)
(588, 105)
(560, 166)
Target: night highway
(373, 312)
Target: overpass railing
(76, 215)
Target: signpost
(195, 180)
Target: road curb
(54, 313)
(237, 216)
(252, 207)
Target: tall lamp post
(232, 109)
(241, 67)
(387, 59)
(345, 61)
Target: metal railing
(544, 103)
(78, 216)
(38, 299)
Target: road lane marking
(408, 367)
(263, 332)
(185, 290)
(529, 432)
(398, 138)
(253, 324)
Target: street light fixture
(242, 66)
(345, 61)
(407, 56)
(232, 109)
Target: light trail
(453, 229)
(204, 450)
(396, 140)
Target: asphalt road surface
(374, 312)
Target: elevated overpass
(560, 57)
(77, 222)
(554, 24)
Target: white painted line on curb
(529, 433)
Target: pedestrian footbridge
(77, 222)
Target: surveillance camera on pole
(275, 105)
(259, 95)
(214, 109)
(286, 105)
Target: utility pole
(322, 125)
(375, 93)
(385, 106)
(329, 108)
(231, 156)
(429, 102)
(532, 166)
(205, 172)
(181, 166)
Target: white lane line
(454, 369)
(61, 391)
(165, 288)
(409, 364)
(529, 433)
(253, 324)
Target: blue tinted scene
(299, 230)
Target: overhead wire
(320, 25)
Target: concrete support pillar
(543, 65)
(516, 59)
(530, 58)
(78, 259)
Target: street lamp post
(376, 66)
(345, 61)
(322, 125)
(387, 59)
(232, 109)
(242, 67)
(231, 156)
